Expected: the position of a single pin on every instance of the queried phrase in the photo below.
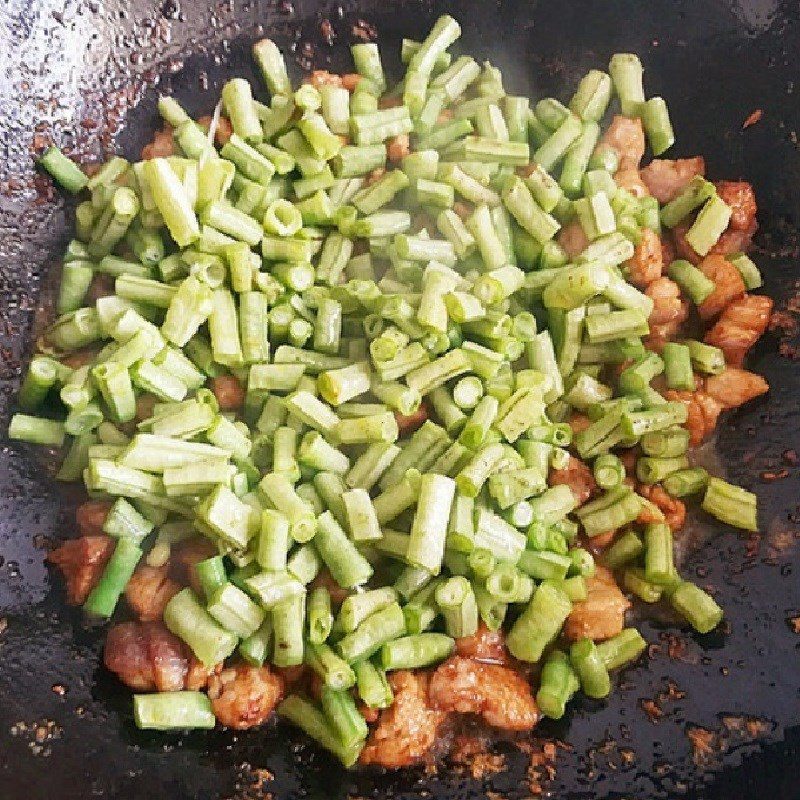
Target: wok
(86, 73)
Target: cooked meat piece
(80, 358)
(739, 195)
(484, 645)
(408, 423)
(370, 714)
(626, 136)
(578, 422)
(375, 175)
(703, 412)
(572, 238)
(82, 562)
(224, 128)
(244, 696)
(738, 236)
(350, 80)
(229, 392)
(498, 694)
(669, 313)
(668, 254)
(145, 404)
(408, 729)
(630, 180)
(324, 578)
(149, 590)
(740, 326)
(101, 286)
(647, 263)
(713, 394)
(292, 675)
(147, 657)
(162, 145)
(728, 286)
(91, 516)
(667, 303)
(315, 685)
(321, 77)
(674, 510)
(577, 476)
(185, 555)
(682, 248)
(596, 544)
(198, 674)
(390, 101)
(397, 148)
(464, 210)
(602, 614)
(667, 178)
(628, 458)
(735, 387)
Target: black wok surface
(86, 73)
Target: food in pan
(386, 399)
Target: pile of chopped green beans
(341, 303)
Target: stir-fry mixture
(385, 398)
